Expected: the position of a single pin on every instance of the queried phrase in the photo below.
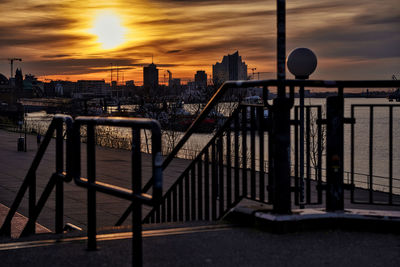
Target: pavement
(112, 166)
(226, 243)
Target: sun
(108, 28)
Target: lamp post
(301, 63)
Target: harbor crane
(253, 69)
(12, 64)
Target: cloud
(174, 51)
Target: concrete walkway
(113, 166)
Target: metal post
(137, 258)
(301, 94)
(280, 157)
(91, 192)
(281, 44)
(334, 153)
(59, 182)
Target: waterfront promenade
(113, 166)
(181, 244)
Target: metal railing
(56, 180)
(214, 183)
(313, 140)
(370, 178)
(172, 198)
(135, 194)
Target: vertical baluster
(221, 175)
(390, 155)
(169, 196)
(214, 184)
(296, 157)
(228, 167)
(206, 185)
(371, 150)
(163, 211)
(308, 155)
(187, 198)
(174, 205)
(180, 194)
(244, 151)
(193, 193)
(200, 190)
(236, 155)
(352, 156)
(261, 151)
(319, 127)
(158, 214)
(252, 152)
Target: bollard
(334, 153)
(21, 144)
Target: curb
(317, 219)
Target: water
(121, 138)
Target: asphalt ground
(215, 245)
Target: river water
(121, 138)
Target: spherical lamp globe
(302, 62)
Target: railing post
(137, 254)
(59, 182)
(279, 161)
(334, 153)
(91, 191)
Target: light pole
(301, 63)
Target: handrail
(134, 123)
(135, 194)
(30, 179)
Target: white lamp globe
(302, 62)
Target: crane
(253, 69)
(12, 66)
(258, 73)
(169, 75)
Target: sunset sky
(73, 39)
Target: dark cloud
(174, 51)
(43, 40)
(57, 56)
(79, 66)
(345, 41)
(370, 19)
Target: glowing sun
(109, 30)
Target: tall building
(231, 68)
(150, 76)
(200, 79)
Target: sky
(73, 39)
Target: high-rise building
(200, 79)
(231, 68)
(150, 76)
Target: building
(92, 88)
(200, 79)
(150, 77)
(231, 68)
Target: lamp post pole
(281, 45)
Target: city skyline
(352, 40)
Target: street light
(302, 62)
